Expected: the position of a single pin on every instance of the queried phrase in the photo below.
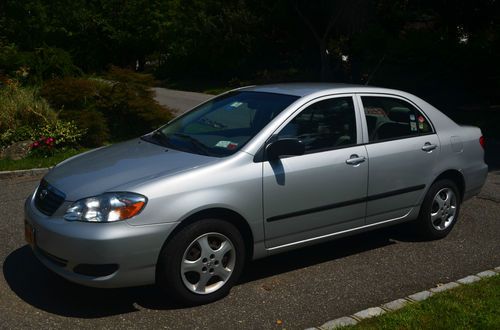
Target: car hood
(117, 166)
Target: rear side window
(324, 125)
(390, 118)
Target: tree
(327, 20)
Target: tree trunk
(141, 61)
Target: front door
(324, 190)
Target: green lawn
(37, 162)
(473, 306)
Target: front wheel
(201, 262)
(439, 211)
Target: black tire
(425, 224)
(168, 269)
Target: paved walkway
(179, 101)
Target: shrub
(117, 74)
(22, 106)
(131, 111)
(55, 135)
(119, 107)
(72, 93)
(12, 135)
(95, 125)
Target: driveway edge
(401, 302)
(21, 173)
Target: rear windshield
(222, 126)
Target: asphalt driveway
(301, 288)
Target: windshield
(221, 126)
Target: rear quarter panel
(460, 149)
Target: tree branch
(306, 21)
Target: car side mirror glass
(284, 147)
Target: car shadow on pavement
(41, 288)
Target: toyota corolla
(250, 173)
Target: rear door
(323, 191)
(403, 148)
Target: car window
(324, 125)
(390, 118)
(223, 125)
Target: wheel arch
(222, 214)
(456, 176)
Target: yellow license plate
(29, 233)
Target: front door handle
(355, 160)
(429, 147)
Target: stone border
(400, 303)
(22, 173)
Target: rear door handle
(355, 160)
(429, 147)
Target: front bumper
(127, 254)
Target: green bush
(131, 111)
(12, 135)
(70, 93)
(22, 107)
(119, 107)
(76, 100)
(54, 136)
(95, 125)
(130, 77)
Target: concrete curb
(22, 173)
(402, 302)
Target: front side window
(222, 126)
(390, 118)
(324, 125)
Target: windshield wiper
(194, 142)
(162, 138)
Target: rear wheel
(439, 211)
(201, 262)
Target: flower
(35, 144)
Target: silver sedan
(250, 173)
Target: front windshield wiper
(162, 138)
(194, 142)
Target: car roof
(304, 89)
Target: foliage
(36, 65)
(55, 135)
(116, 108)
(129, 105)
(71, 93)
(97, 32)
(22, 106)
(63, 134)
(116, 74)
(43, 147)
(12, 135)
(95, 125)
(446, 54)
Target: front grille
(48, 199)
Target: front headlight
(107, 207)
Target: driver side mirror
(284, 147)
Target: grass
(37, 162)
(473, 306)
